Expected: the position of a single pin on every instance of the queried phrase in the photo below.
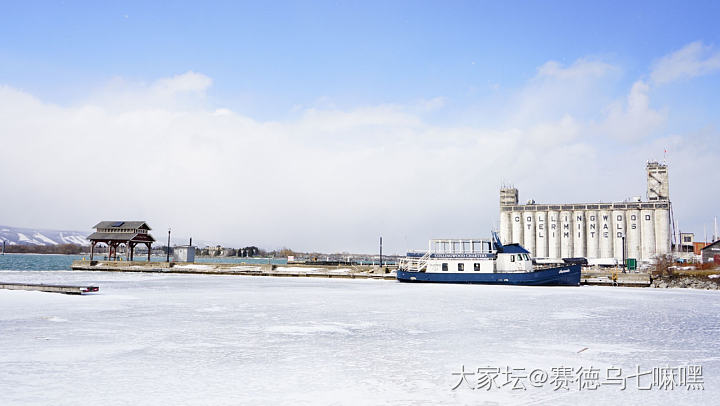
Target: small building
(711, 253)
(184, 253)
(117, 233)
(687, 241)
(698, 246)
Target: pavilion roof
(123, 237)
(122, 224)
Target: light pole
(623, 256)
(168, 246)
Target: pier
(614, 278)
(588, 277)
(67, 289)
(294, 270)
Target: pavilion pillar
(92, 249)
(148, 244)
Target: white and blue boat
(482, 261)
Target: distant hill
(30, 236)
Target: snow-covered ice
(212, 339)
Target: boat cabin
(470, 255)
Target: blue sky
(266, 57)
(364, 83)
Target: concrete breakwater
(589, 276)
(614, 278)
(297, 270)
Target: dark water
(50, 262)
(24, 262)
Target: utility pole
(168, 246)
(381, 252)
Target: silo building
(592, 230)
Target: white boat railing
(415, 264)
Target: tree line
(67, 249)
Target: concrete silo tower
(658, 188)
(508, 198)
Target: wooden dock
(66, 289)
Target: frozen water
(201, 339)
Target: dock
(66, 289)
(246, 269)
(588, 277)
(614, 278)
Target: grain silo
(594, 230)
(579, 233)
(541, 242)
(517, 228)
(529, 230)
(592, 234)
(553, 234)
(662, 231)
(633, 233)
(566, 236)
(647, 232)
(606, 234)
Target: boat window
(477, 267)
(461, 267)
(455, 246)
(487, 246)
(512, 258)
(444, 266)
(466, 246)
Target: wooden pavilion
(117, 233)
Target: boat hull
(568, 275)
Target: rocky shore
(693, 282)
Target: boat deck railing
(461, 246)
(414, 264)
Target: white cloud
(694, 59)
(581, 69)
(633, 118)
(329, 179)
(580, 90)
(186, 82)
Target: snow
(151, 339)
(194, 266)
(43, 238)
(23, 238)
(73, 239)
(16, 235)
(714, 276)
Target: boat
(484, 261)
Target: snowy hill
(29, 236)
